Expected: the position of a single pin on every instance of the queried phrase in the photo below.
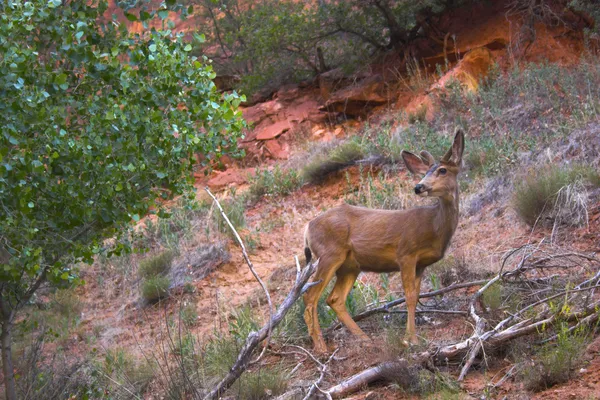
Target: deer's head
(439, 178)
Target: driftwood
(255, 338)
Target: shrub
(265, 383)
(122, 376)
(155, 288)
(235, 209)
(555, 363)
(157, 264)
(189, 315)
(278, 182)
(377, 193)
(339, 157)
(554, 192)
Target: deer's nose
(419, 188)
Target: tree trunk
(7, 363)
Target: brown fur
(348, 239)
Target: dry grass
(554, 194)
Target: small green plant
(157, 264)
(377, 193)
(492, 297)
(266, 383)
(554, 192)
(155, 288)
(235, 208)
(555, 363)
(121, 375)
(189, 315)
(278, 182)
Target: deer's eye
(442, 171)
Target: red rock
(229, 177)
(359, 99)
(273, 131)
(276, 150)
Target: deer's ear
(427, 158)
(455, 153)
(414, 163)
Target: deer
(348, 240)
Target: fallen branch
(386, 308)
(255, 338)
(323, 369)
(245, 254)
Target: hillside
(530, 110)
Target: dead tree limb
(323, 368)
(255, 338)
(385, 308)
(441, 355)
(245, 254)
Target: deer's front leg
(411, 292)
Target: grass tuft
(554, 192)
(338, 158)
(155, 288)
(156, 265)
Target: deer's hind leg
(337, 299)
(328, 265)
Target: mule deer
(349, 239)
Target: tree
(98, 128)
(272, 42)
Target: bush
(235, 209)
(278, 182)
(155, 288)
(265, 383)
(555, 363)
(189, 315)
(158, 264)
(554, 193)
(122, 376)
(339, 157)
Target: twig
(323, 368)
(245, 254)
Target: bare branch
(255, 338)
(245, 254)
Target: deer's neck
(446, 217)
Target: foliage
(555, 363)
(273, 42)
(189, 315)
(122, 376)
(156, 265)
(155, 288)
(535, 197)
(235, 208)
(377, 193)
(98, 128)
(277, 182)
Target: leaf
(60, 79)
(152, 47)
(119, 187)
(135, 217)
(30, 204)
(78, 35)
(163, 14)
(188, 48)
(131, 17)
